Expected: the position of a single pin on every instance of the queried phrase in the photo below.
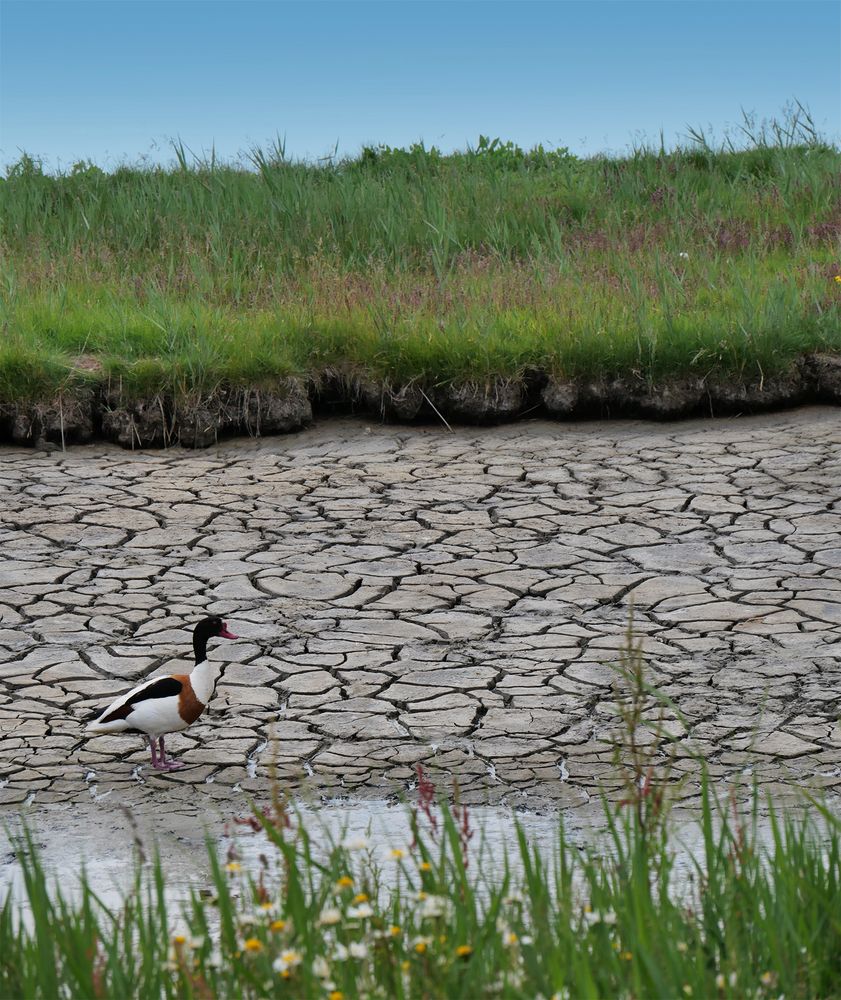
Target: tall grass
(409, 263)
(752, 921)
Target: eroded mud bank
(198, 421)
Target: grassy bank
(410, 265)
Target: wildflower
(405, 965)
(179, 939)
(320, 967)
(509, 938)
(287, 960)
(267, 907)
(277, 925)
(361, 897)
(340, 952)
(336, 995)
(434, 906)
(683, 255)
(442, 938)
(421, 944)
(732, 979)
(626, 955)
(768, 979)
(396, 853)
(464, 951)
(425, 866)
(687, 989)
(355, 844)
(233, 866)
(345, 882)
(252, 944)
(608, 918)
(330, 916)
(838, 278)
(682, 947)
(422, 895)
(394, 930)
(358, 949)
(719, 982)
(360, 912)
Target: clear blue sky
(114, 80)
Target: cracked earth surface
(408, 596)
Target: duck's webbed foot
(164, 764)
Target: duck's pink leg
(155, 764)
(168, 765)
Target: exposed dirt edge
(198, 422)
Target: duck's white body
(157, 716)
(167, 703)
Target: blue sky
(115, 80)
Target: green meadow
(713, 260)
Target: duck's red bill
(225, 634)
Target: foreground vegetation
(750, 922)
(411, 265)
(432, 918)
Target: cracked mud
(410, 596)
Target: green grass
(414, 265)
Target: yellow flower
(425, 866)
(179, 939)
(253, 944)
(420, 947)
(626, 955)
(405, 965)
(442, 938)
(266, 907)
(510, 938)
(423, 895)
(463, 950)
(277, 925)
(336, 995)
(394, 930)
(838, 278)
(719, 981)
(345, 882)
(361, 897)
(768, 979)
(233, 866)
(396, 853)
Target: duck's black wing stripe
(163, 687)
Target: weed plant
(424, 920)
(409, 264)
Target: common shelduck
(168, 703)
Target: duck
(167, 703)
